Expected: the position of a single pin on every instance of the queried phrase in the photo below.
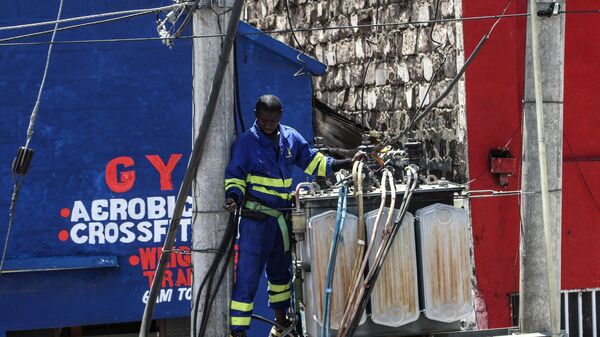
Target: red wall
(494, 85)
(581, 215)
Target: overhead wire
(93, 16)
(418, 117)
(20, 172)
(439, 45)
(81, 25)
(288, 31)
(280, 31)
(363, 122)
(582, 176)
(298, 44)
(11, 217)
(366, 71)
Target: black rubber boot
(238, 333)
(276, 332)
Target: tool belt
(256, 207)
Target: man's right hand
(230, 205)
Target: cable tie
(328, 290)
(361, 242)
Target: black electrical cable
(369, 284)
(310, 29)
(22, 161)
(81, 25)
(287, 31)
(226, 241)
(581, 175)
(13, 205)
(238, 101)
(455, 80)
(437, 51)
(301, 47)
(365, 71)
(187, 19)
(219, 23)
(210, 298)
(286, 330)
(193, 163)
(362, 92)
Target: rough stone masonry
(400, 62)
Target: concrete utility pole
(208, 190)
(539, 306)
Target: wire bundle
(335, 240)
(361, 293)
(226, 248)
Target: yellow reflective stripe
(278, 287)
(241, 306)
(284, 196)
(279, 297)
(313, 164)
(240, 321)
(323, 167)
(269, 182)
(235, 181)
(243, 188)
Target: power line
(288, 31)
(452, 83)
(19, 171)
(93, 23)
(94, 16)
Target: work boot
(237, 333)
(276, 332)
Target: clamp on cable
(553, 9)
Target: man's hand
(359, 156)
(230, 205)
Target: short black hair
(268, 103)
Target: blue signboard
(111, 145)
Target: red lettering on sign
(150, 275)
(184, 277)
(167, 279)
(166, 183)
(148, 258)
(124, 182)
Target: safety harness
(254, 206)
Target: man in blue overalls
(259, 177)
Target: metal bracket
(553, 9)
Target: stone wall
(399, 60)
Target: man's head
(268, 113)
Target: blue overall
(260, 172)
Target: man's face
(268, 121)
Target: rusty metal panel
(395, 299)
(320, 229)
(446, 267)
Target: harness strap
(275, 214)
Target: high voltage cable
(81, 25)
(281, 31)
(93, 16)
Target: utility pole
(540, 248)
(208, 189)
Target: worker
(259, 178)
